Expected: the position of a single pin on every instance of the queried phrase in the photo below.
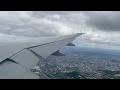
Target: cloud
(104, 20)
(23, 24)
(100, 28)
(33, 24)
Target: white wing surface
(11, 70)
(28, 53)
(28, 58)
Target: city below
(80, 63)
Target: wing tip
(79, 34)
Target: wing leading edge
(30, 56)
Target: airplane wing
(16, 59)
(12, 70)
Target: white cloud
(18, 25)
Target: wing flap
(26, 58)
(11, 70)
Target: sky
(101, 28)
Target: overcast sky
(101, 28)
